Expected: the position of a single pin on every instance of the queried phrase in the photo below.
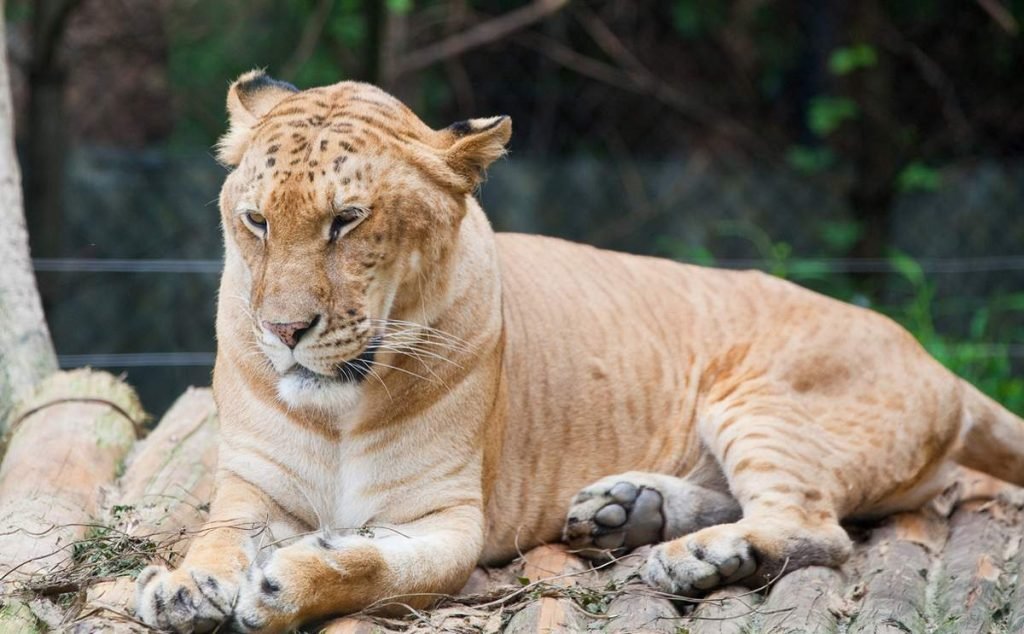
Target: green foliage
(917, 176)
(844, 61)
(109, 552)
(211, 43)
(983, 354)
(981, 359)
(839, 236)
(399, 6)
(810, 160)
(694, 18)
(826, 114)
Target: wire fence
(832, 266)
(135, 288)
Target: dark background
(871, 150)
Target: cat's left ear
(474, 144)
(250, 97)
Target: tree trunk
(26, 352)
(46, 142)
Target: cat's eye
(344, 221)
(256, 222)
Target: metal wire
(91, 265)
(819, 265)
(137, 360)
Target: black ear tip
(462, 128)
(259, 80)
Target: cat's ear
(250, 97)
(474, 144)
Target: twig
(638, 83)
(1000, 14)
(476, 36)
(307, 41)
(54, 588)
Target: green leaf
(523, 581)
(399, 6)
(908, 268)
(841, 235)
(810, 160)
(847, 59)
(826, 114)
(917, 176)
(979, 323)
(686, 18)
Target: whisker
(385, 365)
(418, 354)
(374, 374)
(426, 329)
(424, 339)
(425, 365)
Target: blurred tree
(25, 345)
(47, 139)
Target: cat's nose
(290, 333)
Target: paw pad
(616, 518)
(702, 562)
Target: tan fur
(511, 373)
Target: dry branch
(479, 35)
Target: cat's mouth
(352, 371)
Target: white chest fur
(325, 482)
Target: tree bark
(26, 352)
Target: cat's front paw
(185, 600)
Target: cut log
(894, 580)
(636, 608)
(167, 485)
(804, 600)
(351, 625)
(550, 614)
(727, 611)
(968, 593)
(111, 597)
(1015, 616)
(16, 617)
(161, 499)
(68, 440)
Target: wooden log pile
(85, 504)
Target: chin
(308, 390)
